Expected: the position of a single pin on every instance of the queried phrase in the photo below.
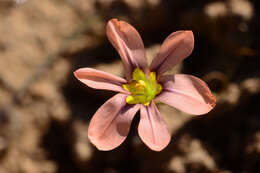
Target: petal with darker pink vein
(110, 125)
(127, 41)
(152, 129)
(186, 93)
(100, 80)
(175, 48)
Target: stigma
(143, 89)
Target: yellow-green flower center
(142, 89)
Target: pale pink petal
(152, 129)
(186, 93)
(129, 45)
(100, 80)
(175, 48)
(110, 125)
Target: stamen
(142, 89)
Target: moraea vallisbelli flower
(143, 86)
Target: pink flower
(143, 85)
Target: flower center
(142, 89)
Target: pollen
(143, 89)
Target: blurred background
(45, 111)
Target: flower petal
(186, 93)
(175, 48)
(100, 80)
(129, 45)
(152, 129)
(110, 125)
